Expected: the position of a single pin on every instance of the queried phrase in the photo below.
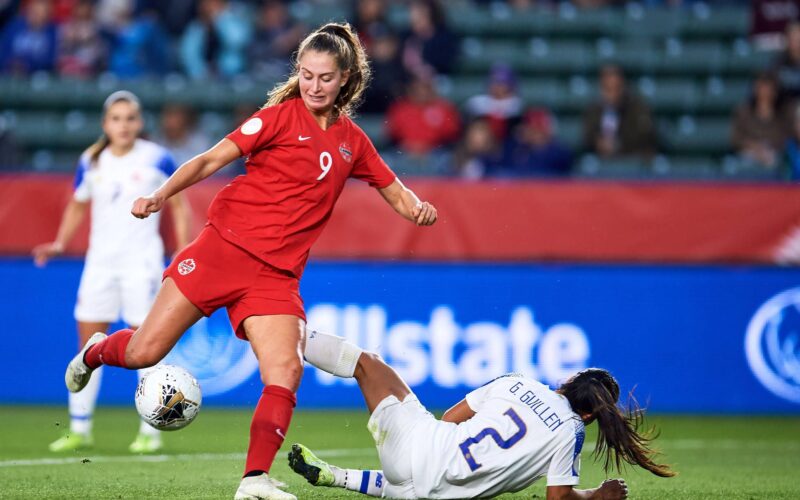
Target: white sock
(332, 354)
(368, 482)
(81, 405)
(148, 430)
(145, 428)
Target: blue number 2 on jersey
(490, 431)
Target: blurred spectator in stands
(138, 45)
(214, 44)
(108, 12)
(369, 16)
(768, 21)
(62, 10)
(522, 5)
(180, 134)
(429, 47)
(594, 4)
(388, 75)
(8, 10)
(10, 158)
(241, 112)
(501, 105)
(81, 48)
(788, 64)
(619, 123)
(534, 151)
(175, 15)
(422, 121)
(760, 125)
(479, 152)
(275, 39)
(793, 147)
(28, 43)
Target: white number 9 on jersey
(325, 163)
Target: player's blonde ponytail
(341, 41)
(595, 392)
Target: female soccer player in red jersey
(301, 147)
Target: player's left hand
(424, 214)
(613, 489)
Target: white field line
(180, 457)
(664, 444)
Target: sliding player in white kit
(500, 439)
(125, 258)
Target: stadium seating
(692, 65)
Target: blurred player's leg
(320, 473)
(139, 290)
(81, 405)
(148, 440)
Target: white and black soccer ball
(168, 397)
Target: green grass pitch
(717, 457)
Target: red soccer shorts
(214, 273)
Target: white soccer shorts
(106, 295)
(392, 425)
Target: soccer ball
(168, 397)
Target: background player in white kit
(125, 258)
(500, 439)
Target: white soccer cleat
(78, 374)
(261, 487)
(278, 483)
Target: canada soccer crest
(186, 266)
(346, 152)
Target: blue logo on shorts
(772, 345)
(214, 355)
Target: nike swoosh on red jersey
(301, 138)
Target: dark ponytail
(341, 41)
(95, 149)
(595, 392)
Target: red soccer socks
(268, 428)
(110, 351)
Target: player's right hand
(146, 205)
(613, 489)
(46, 251)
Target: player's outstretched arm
(191, 172)
(406, 203)
(610, 489)
(74, 214)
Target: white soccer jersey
(522, 431)
(117, 239)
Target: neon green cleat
(71, 441)
(145, 444)
(305, 463)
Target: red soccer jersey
(295, 173)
